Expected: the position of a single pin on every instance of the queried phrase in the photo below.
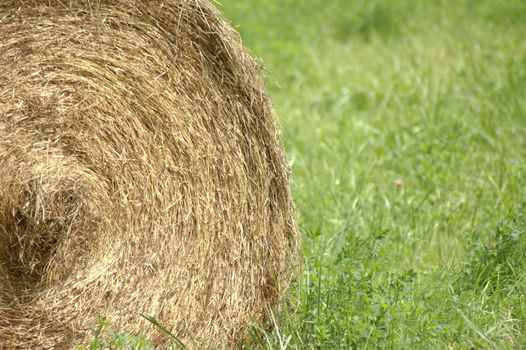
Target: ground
(405, 125)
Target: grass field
(405, 126)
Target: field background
(405, 125)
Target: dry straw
(140, 172)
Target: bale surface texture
(141, 172)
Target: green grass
(430, 93)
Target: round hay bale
(140, 172)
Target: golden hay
(140, 172)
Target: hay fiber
(141, 171)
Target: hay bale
(140, 172)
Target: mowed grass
(405, 127)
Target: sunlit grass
(404, 122)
